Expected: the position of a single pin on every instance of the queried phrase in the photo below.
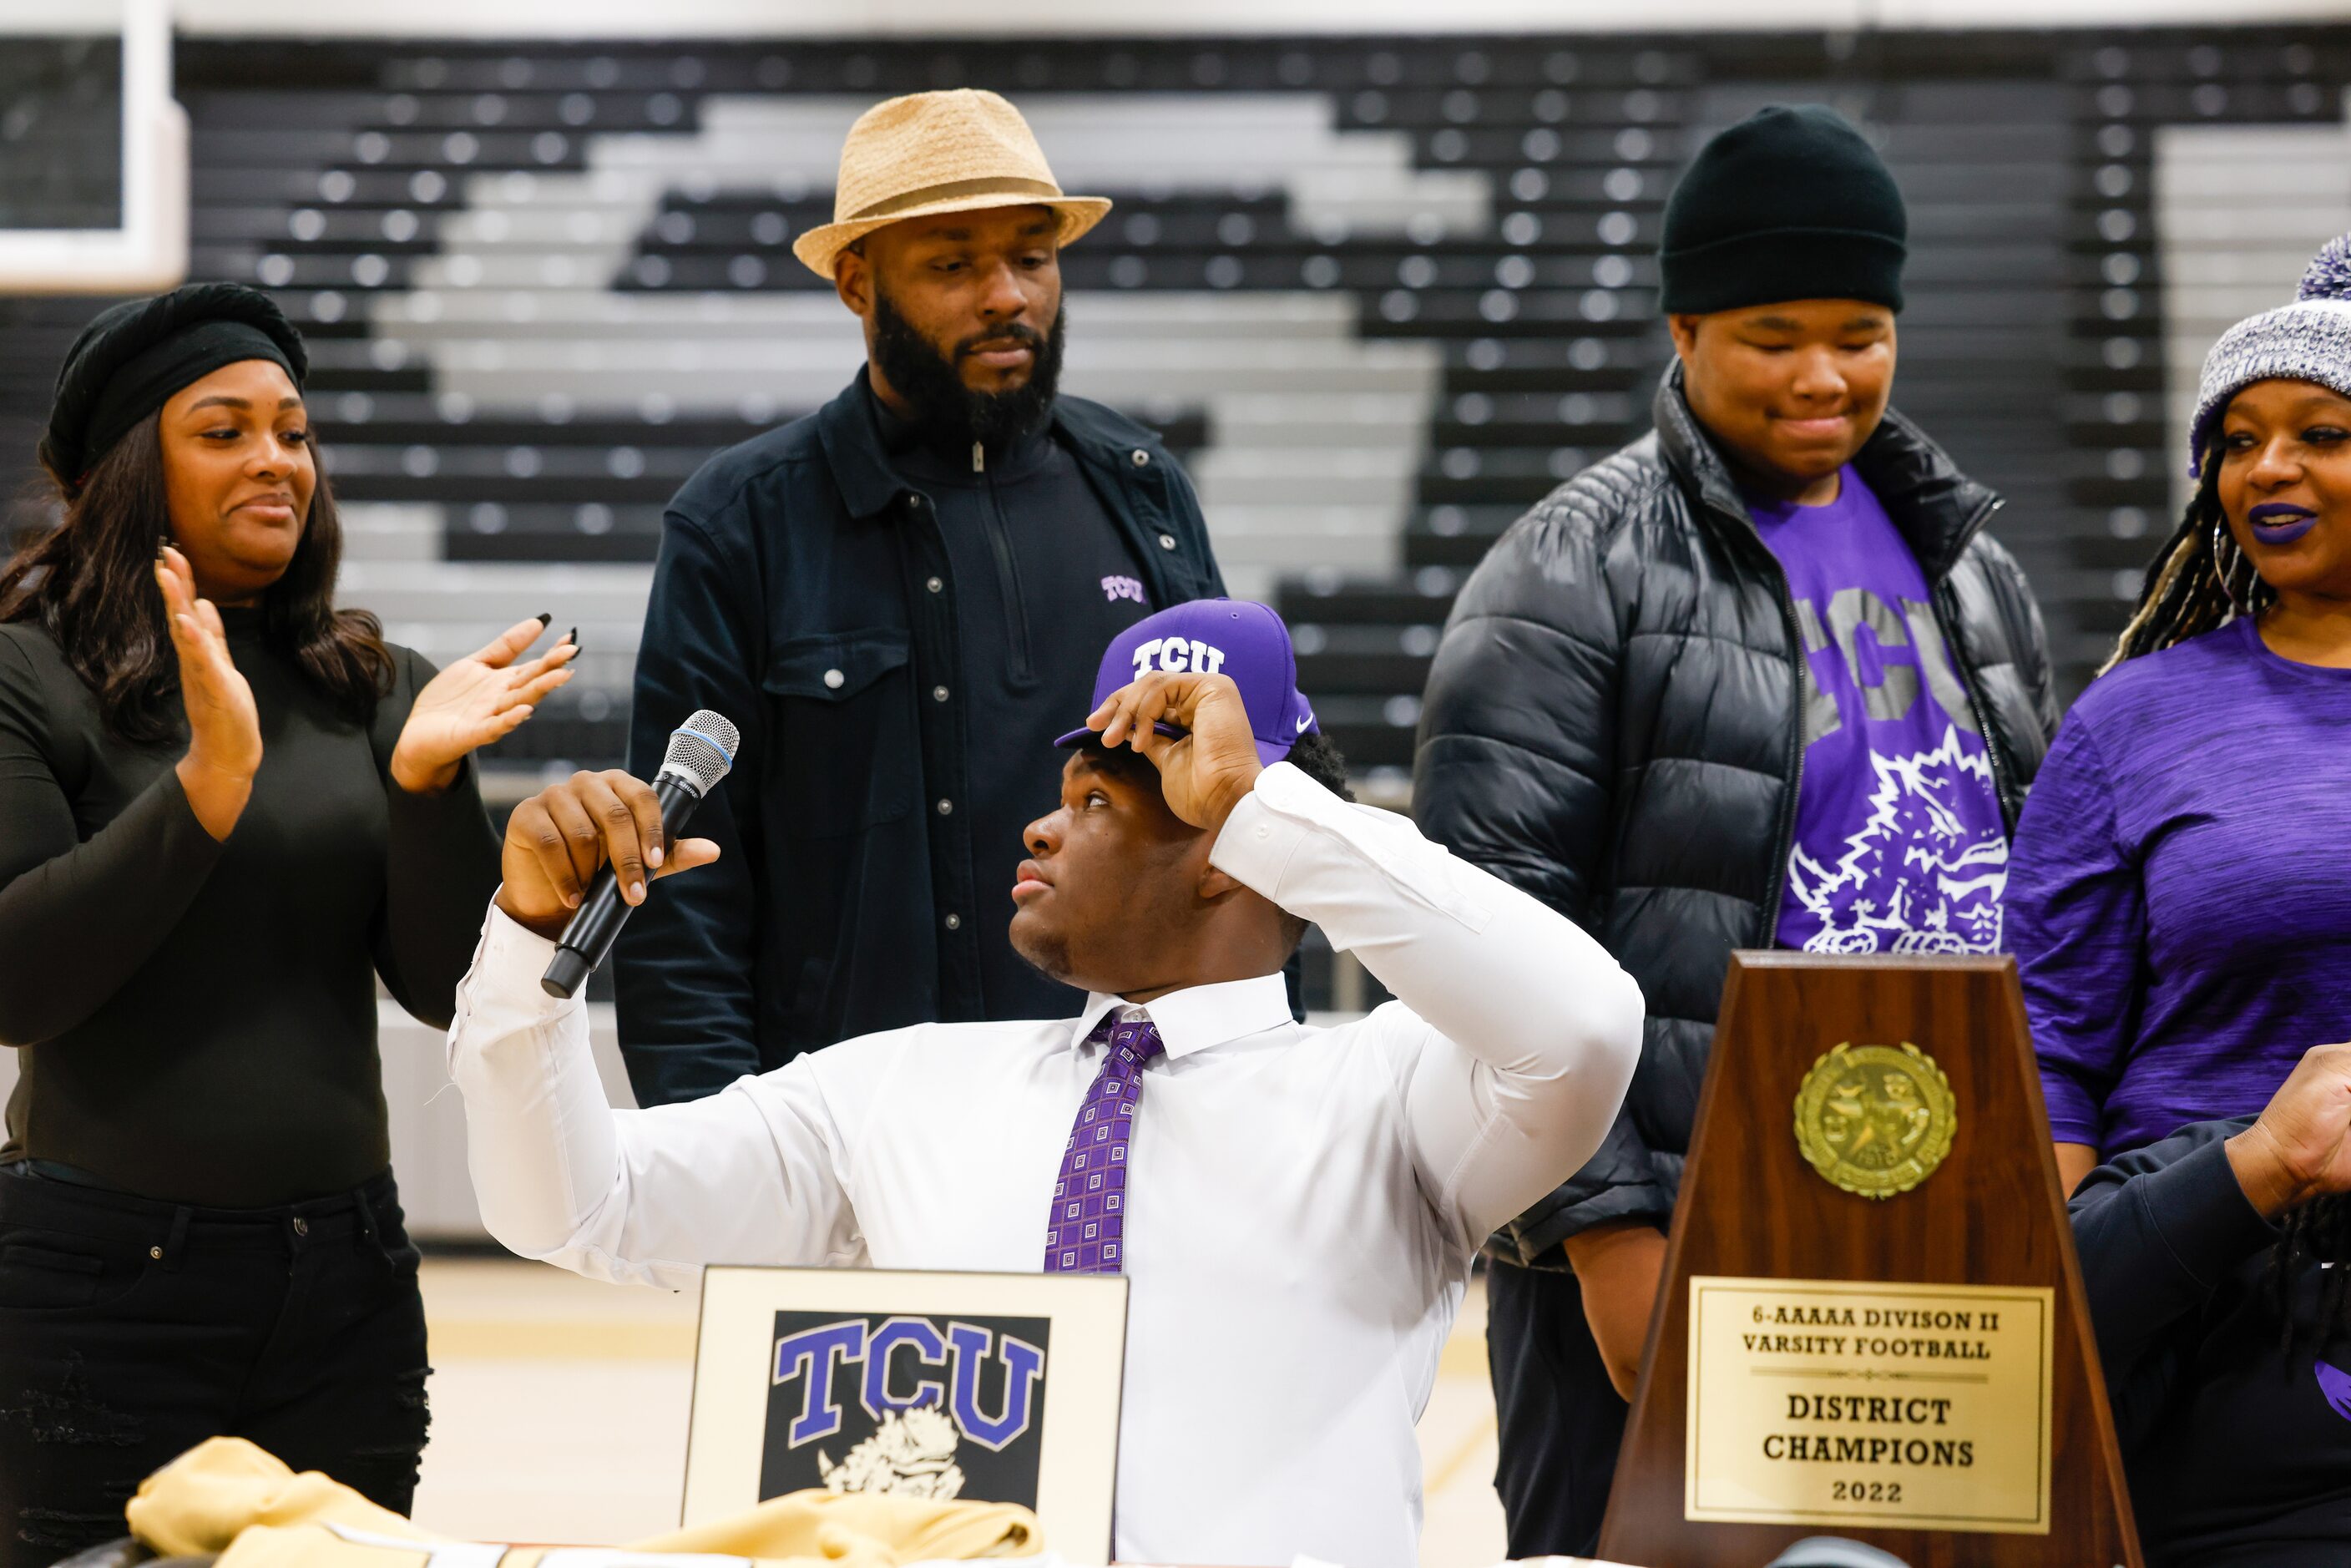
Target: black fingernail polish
(572, 637)
(545, 617)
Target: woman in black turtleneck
(225, 808)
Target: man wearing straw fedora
(897, 599)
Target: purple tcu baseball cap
(1215, 637)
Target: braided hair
(2317, 1232)
(2198, 581)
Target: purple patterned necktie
(1085, 1234)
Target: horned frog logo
(910, 1454)
(1875, 1120)
(1916, 878)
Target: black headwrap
(128, 361)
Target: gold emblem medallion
(1875, 1119)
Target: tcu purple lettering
(945, 1374)
(1177, 655)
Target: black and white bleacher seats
(1382, 293)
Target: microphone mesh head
(702, 750)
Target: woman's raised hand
(224, 728)
(480, 698)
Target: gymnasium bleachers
(1382, 295)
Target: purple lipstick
(2281, 522)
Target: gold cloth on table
(229, 1497)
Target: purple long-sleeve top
(2179, 890)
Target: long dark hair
(2316, 1232)
(2199, 581)
(91, 582)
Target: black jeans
(132, 1329)
(1560, 1420)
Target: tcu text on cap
(1177, 654)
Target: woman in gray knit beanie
(2238, 546)
(2147, 874)
(2181, 924)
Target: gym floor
(559, 1412)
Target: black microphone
(701, 750)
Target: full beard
(946, 411)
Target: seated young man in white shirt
(1296, 1208)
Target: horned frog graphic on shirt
(911, 1454)
(1916, 878)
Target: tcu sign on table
(918, 1405)
(987, 1387)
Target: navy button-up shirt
(805, 589)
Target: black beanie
(128, 361)
(1789, 203)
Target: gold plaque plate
(1841, 1402)
(1875, 1119)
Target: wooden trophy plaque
(1872, 1323)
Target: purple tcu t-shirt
(1899, 846)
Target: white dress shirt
(1303, 1204)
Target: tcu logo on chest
(1177, 655)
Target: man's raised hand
(1204, 774)
(557, 838)
(2300, 1148)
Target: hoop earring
(2226, 573)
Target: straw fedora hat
(938, 153)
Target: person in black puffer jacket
(1757, 680)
